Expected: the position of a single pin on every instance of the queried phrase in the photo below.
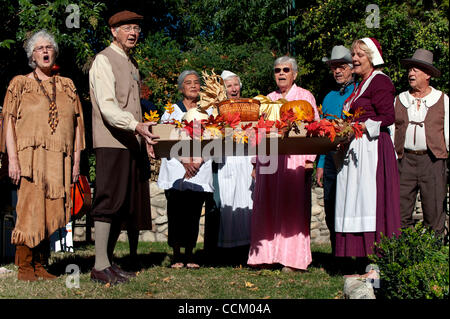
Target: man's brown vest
(126, 77)
(434, 128)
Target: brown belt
(416, 152)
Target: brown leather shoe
(24, 258)
(107, 276)
(120, 272)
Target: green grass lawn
(227, 279)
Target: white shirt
(418, 115)
(102, 83)
(171, 172)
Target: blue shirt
(332, 104)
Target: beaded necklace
(53, 111)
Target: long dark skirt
(184, 209)
(388, 205)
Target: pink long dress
(282, 205)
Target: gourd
(195, 114)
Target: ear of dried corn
(212, 92)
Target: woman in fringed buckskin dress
(43, 136)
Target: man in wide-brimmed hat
(340, 64)
(421, 142)
(119, 137)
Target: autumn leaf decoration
(169, 108)
(227, 126)
(341, 127)
(152, 117)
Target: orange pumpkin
(301, 108)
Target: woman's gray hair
(31, 42)
(286, 60)
(183, 75)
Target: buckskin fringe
(31, 240)
(19, 237)
(51, 190)
(46, 142)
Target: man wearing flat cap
(119, 136)
(340, 64)
(421, 142)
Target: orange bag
(81, 197)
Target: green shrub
(413, 265)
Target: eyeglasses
(129, 28)
(285, 70)
(342, 67)
(47, 48)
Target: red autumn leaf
(219, 119)
(246, 126)
(188, 127)
(266, 125)
(193, 128)
(357, 128)
(288, 116)
(233, 119)
(255, 137)
(330, 132)
(211, 121)
(280, 124)
(324, 127)
(358, 112)
(312, 129)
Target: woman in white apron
(367, 194)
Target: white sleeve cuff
(133, 124)
(373, 128)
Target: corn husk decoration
(212, 92)
(270, 109)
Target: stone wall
(319, 229)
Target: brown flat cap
(123, 17)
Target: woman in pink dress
(282, 201)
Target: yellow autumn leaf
(347, 113)
(152, 117)
(177, 123)
(213, 131)
(240, 137)
(169, 107)
(248, 284)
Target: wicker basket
(248, 108)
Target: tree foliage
(242, 36)
(403, 28)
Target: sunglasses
(285, 70)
